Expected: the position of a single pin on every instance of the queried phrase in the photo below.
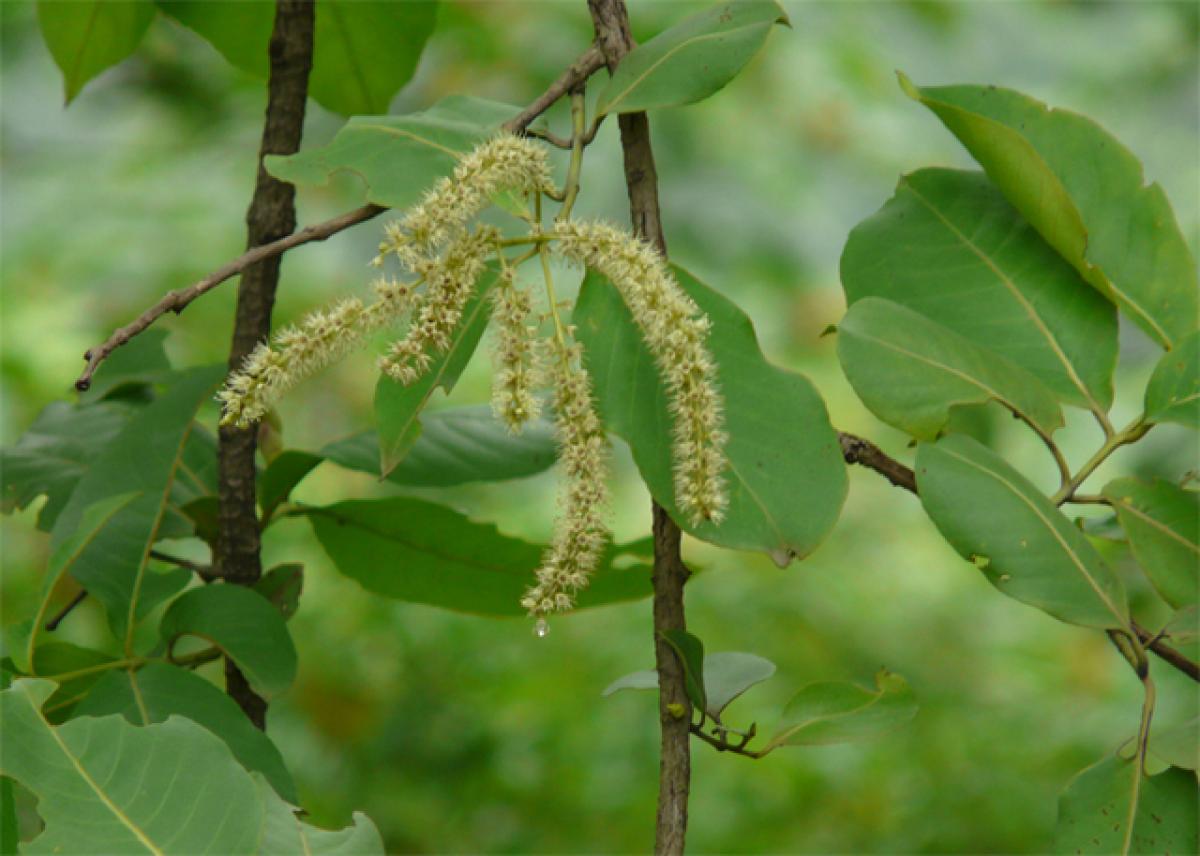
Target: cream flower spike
(505, 162)
(516, 355)
(580, 532)
(295, 353)
(676, 332)
(449, 282)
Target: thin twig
(588, 63)
(53, 623)
(1169, 655)
(205, 572)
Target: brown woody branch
(176, 301)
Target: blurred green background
(457, 734)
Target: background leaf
(1025, 546)
(832, 712)
(950, 247)
(692, 59)
(86, 37)
(1173, 393)
(1083, 191)
(1163, 525)
(417, 551)
(910, 371)
(244, 625)
(786, 487)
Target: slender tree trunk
(272, 215)
(611, 20)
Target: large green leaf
(106, 786)
(244, 625)
(1112, 807)
(786, 477)
(398, 407)
(1173, 393)
(727, 674)
(85, 37)
(1163, 525)
(456, 446)
(911, 372)
(75, 669)
(398, 156)
(949, 246)
(1025, 546)
(285, 833)
(1178, 744)
(416, 551)
(1083, 191)
(692, 59)
(831, 712)
(364, 50)
(144, 458)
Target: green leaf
(831, 712)
(911, 372)
(950, 247)
(158, 691)
(107, 786)
(285, 833)
(728, 674)
(146, 458)
(140, 361)
(456, 446)
(417, 551)
(282, 585)
(1083, 191)
(1163, 525)
(364, 51)
(1173, 393)
(1112, 808)
(244, 625)
(692, 59)
(786, 487)
(398, 407)
(690, 651)
(279, 479)
(8, 818)
(1178, 745)
(398, 156)
(1026, 547)
(645, 679)
(88, 36)
(75, 669)
(1184, 625)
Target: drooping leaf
(282, 586)
(145, 457)
(417, 551)
(1163, 525)
(1112, 807)
(832, 712)
(1173, 393)
(1084, 192)
(911, 372)
(950, 247)
(398, 407)
(398, 156)
(644, 679)
(364, 50)
(692, 59)
(727, 674)
(244, 625)
(88, 36)
(690, 651)
(286, 833)
(279, 479)
(157, 691)
(1024, 545)
(785, 487)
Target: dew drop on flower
(541, 628)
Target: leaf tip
(906, 84)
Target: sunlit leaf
(85, 37)
(1163, 525)
(831, 712)
(1173, 393)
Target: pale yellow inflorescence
(580, 531)
(297, 352)
(676, 332)
(516, 355)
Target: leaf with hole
(416, 551)
(833, 712)
(244, 625)
(950, 247)
(1162, 522)
(1025, 546)
(786, 487)
(1085, 193)
(87, 37)
(911, 371)
(1173, 393)
(692, 59)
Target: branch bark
(611, 21)
(270, 218)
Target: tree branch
(611, 21)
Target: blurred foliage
(461, 734)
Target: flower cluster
(676, 333)
(580, 532)
(516, 357)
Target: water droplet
(541, 628)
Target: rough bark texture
(611, 21)
(271, 216)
